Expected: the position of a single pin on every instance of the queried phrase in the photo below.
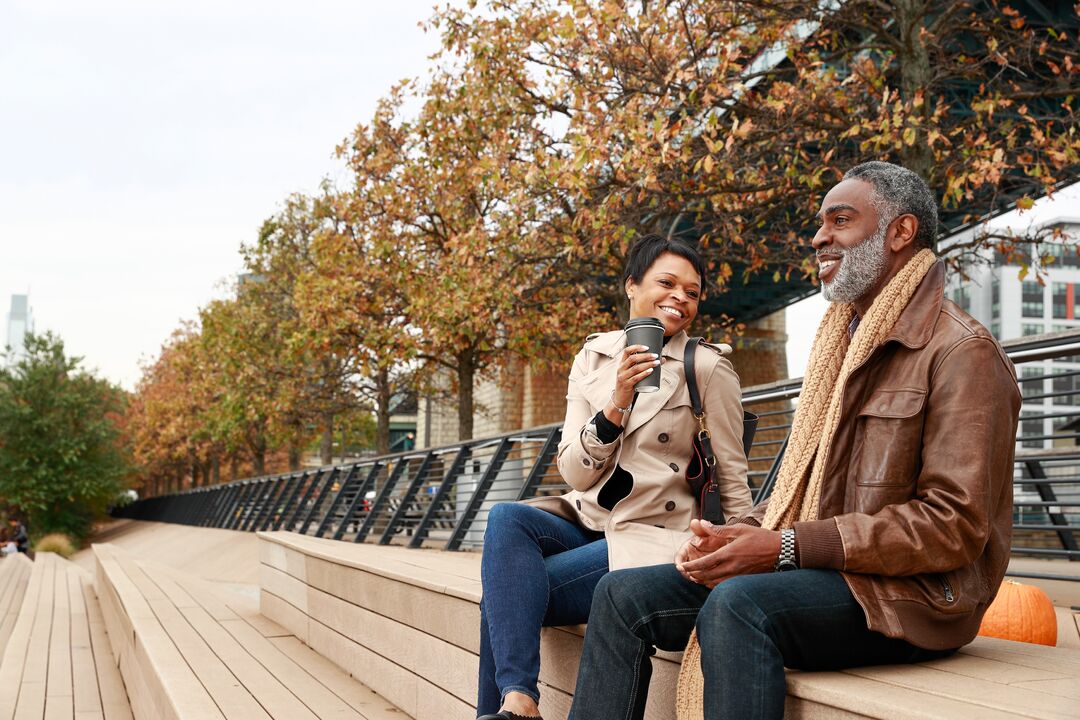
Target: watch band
(786, 560)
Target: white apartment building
(20, 322)
(1011, 307)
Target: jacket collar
(915, 326)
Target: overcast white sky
(142, 142)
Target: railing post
(451, 476)
(247, 489)
(323, 492)
(296, 481)
(357, 500)
(258, 504)
(308, 492)
(482, 487)
(543, 461)
(267, 515)
(384, 494)
(350, 478)
(408, 497)
(1035, 472)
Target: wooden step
(408, 622)
(58, 664)
(14, 576)
(188, 651)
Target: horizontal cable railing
(440, 498)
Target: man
(893, 504)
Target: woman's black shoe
(507, 715)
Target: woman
(625, 457)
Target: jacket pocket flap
(894, 403)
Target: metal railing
(441, 497)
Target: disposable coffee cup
(650, 332)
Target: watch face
(785, 565)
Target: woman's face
(669, 291)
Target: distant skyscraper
(19, 324)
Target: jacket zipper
(949, 597)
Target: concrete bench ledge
(57, 662)
(188, 653)
(407, 622)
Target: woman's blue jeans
(749, 628)
(537, 570)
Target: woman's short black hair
(646, 249)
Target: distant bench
(406, 622)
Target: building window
(1031, 299)
(962, 297)
(1031, 428)
(995, 298)
(1059, 299)
(1068, 385)
(995, 330)
(1031, 328)
(1030, 388)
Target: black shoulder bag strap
(701, 473)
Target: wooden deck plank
(84, 674)
(14, 578)
(113, 695)
(225, 689)
(936, 683)
(31, 701)
(59, 683)
(157, 676)
(13, 664)
(360, 697)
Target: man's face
(850, 243)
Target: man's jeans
(749, 629)
(537, 570)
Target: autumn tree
(726, 121)
(445, 198)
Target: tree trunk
(294, 457)
(915, 77)
(382, 411)
(215, 472)
(326, 444)
(234, 467)
(258, 456)
(466, 370)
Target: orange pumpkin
(1021, 612)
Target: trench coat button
(578, 504)
(586, 462)
(662, 437)
(674, 467)
(669, 505)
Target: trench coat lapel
(597, 385)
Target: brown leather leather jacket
(917, 503)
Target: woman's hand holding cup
(637, 364)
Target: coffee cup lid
(644, 322)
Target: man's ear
(627, 285)
(905, 228)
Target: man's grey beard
(860, 269)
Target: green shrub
(58, 543)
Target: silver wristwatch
(786, 561)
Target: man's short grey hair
(899, 191)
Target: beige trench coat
(651, 523)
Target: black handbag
(701, 472)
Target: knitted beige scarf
(832, 360)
